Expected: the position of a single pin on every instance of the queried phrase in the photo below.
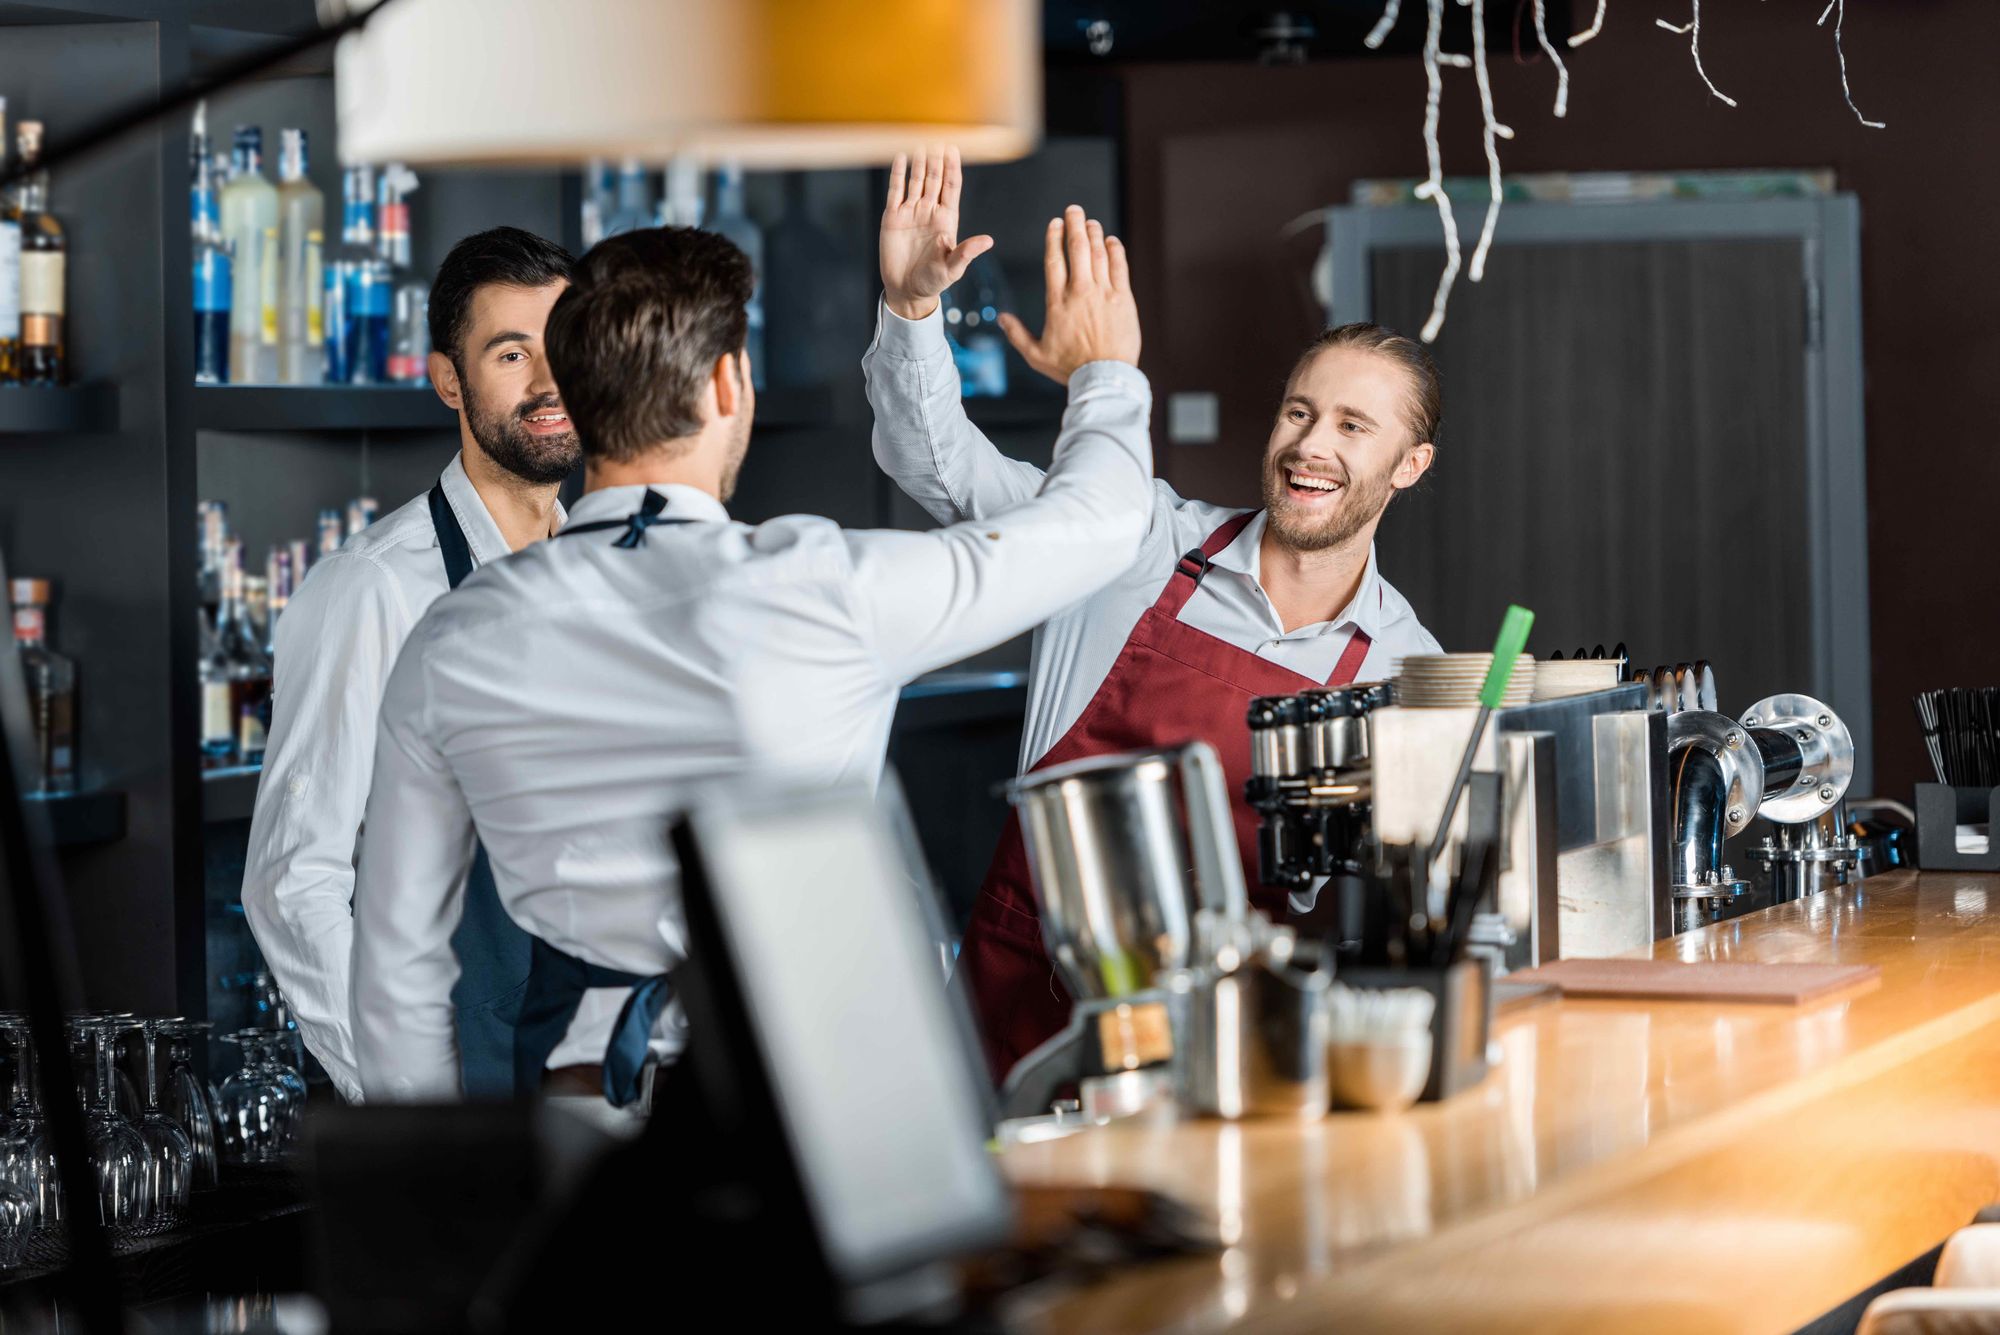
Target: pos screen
(826, 945)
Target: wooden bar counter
(1630, 1167)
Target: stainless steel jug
(1124, 849)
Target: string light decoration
(1596, 27)
(1839, 9)
(1433, 186)
(1493, 130)
(1692, 31)
(1562, 70)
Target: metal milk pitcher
(1123, 850)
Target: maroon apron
(1170, 684)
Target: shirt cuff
(1117, 377)
(912, 340)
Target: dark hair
(504, 255)
(1425, 409)
(637, 335)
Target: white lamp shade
(768, 83)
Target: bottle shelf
(39, 410)
(76, 819)
(320, 408)
(417, 408)
(229, 794)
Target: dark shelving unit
(40, 410)
(80, 819)
(229, 794)
(321, 408)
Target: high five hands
(1091, 313)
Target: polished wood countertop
(1631, 1166)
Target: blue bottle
(212, 289)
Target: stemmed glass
(169, 1151)
(27, 1155)
(262, 1106)
(187, 1099)
(23, 1157)
(117, 1151)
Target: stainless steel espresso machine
(1617, 799)
(1583, 860)
(1789, 759)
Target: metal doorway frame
(1829, 230)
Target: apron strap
(1192, 566)
(457, 552)
(557, 981)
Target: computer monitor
(815, 986)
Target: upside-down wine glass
(187, 1099)
(169, 1151)
(117, 1151)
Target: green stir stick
(1513, 638)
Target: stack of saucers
(1441, 681)
(1581, 676)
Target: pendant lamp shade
(768, 83)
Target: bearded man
(1222, 605)
(340, 636)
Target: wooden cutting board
(1673, 980)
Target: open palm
(920, 249)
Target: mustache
(1335, 472)
(539, 405)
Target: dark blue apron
(493, 951)
(557, 980)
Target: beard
(1360, 502)
(503, 433)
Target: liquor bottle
(634, 207)
(365, 299)
(211, 262)
(249, 210)
(301, 552)
(331, 533)
(680, 201)
(361, 512)
(10, 268)
(214, 518)
(301, 239)
(257, 609)
(235, 679)
(731, 221)
(409, 316)
(278, 577)
(596, 206)
(51, 680)
(44, 255)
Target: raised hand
(1092, 316)
(921, 252)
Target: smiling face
(505, 388)
(1341, 448)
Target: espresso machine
(1789, 760)
(1128, 852)
(1583, 856)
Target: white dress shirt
(336, 642)
(568, 701)
(924, 441)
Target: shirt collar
(482, 535)
(1244, 557)
(618, 502)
